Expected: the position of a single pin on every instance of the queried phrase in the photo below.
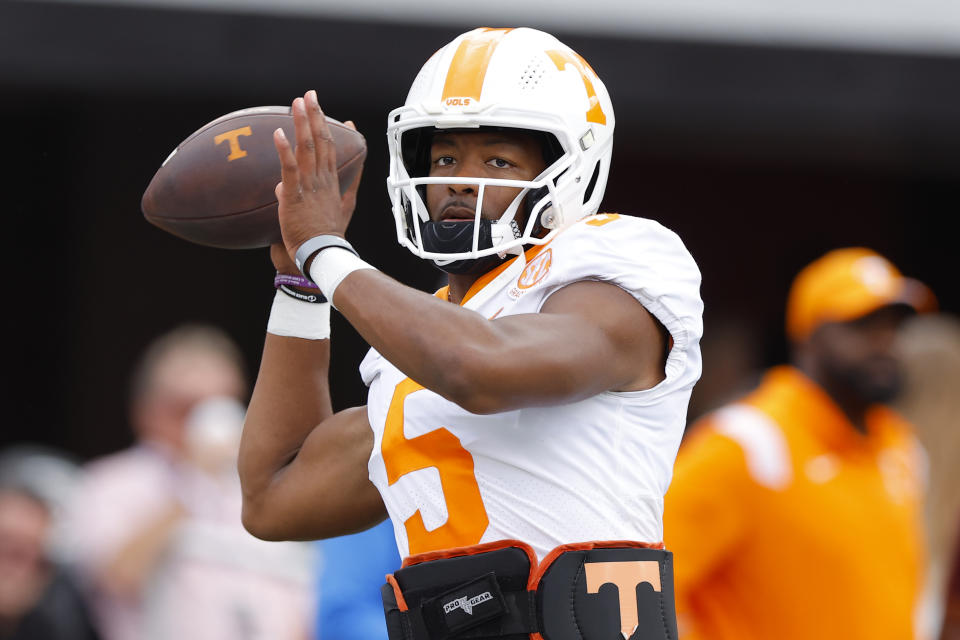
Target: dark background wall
(762, 158)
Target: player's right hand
(309, 197)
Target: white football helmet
(503, 78)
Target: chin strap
(471, 266)
(457, 237)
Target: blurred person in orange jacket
(796, 512)
(156, 527)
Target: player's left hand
(282, 262)
(308, 194)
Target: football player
(522, 422)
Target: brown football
(216, 188)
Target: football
(217, 187)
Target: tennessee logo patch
(536, 270)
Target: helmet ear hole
(408, 219)
(593, 183)
(530, 203)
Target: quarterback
(523, 421)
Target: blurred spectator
(38, 597)
(930, 348)
(352, 570)
(157, 527)
(951, 618)
(797, 511)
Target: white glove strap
(331, 266)
(297, 319)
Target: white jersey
(596, 469)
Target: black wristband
(315, 245)
(313, 298)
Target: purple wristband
(293, 281)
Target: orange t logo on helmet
(561, 59)
(469, 66)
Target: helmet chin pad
(456, 236)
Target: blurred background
(765, 134)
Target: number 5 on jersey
(440, 449)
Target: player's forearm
(461, 355)
(325, 491)
(425, 337)
(290, 398)
(594, 338)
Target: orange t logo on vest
(536, 270)
(626, 576)
(232, 137)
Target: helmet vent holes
(532, 75)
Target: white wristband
(331, 266)
(297, 319)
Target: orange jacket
(786, 522)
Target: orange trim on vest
(556, 552)
(469, 65)
(471, 550)
(401, 601)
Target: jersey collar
(492, 281)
